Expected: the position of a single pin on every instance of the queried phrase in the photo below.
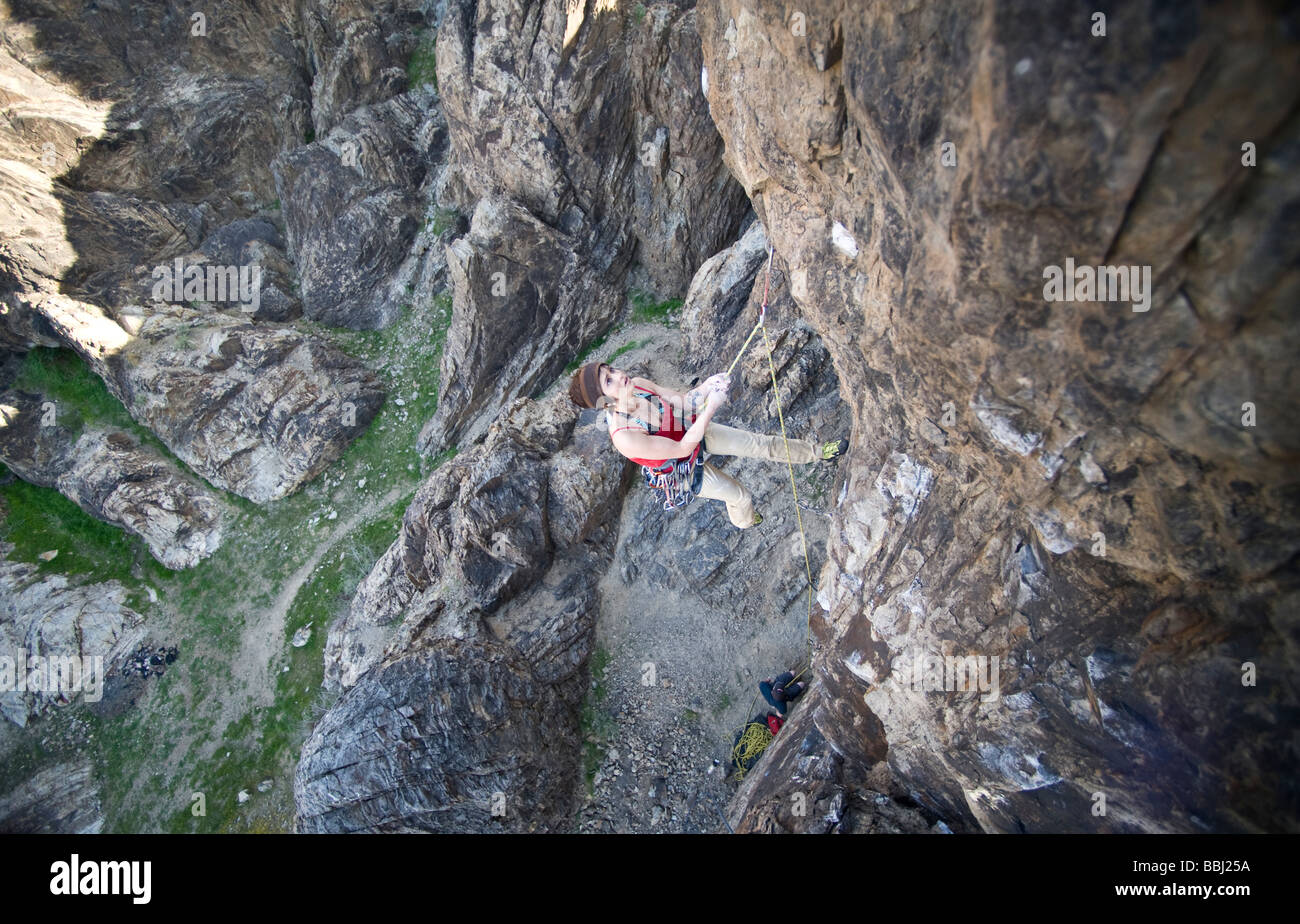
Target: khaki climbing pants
(728, 441)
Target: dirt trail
(263, 638)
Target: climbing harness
(679, 479)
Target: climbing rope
(752, 743)
(762, 312)
(750, 738)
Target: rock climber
(664, 431)
(782, 691)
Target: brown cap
(584, 388)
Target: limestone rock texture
(126, 155)
(1087, 509)
(62, 799)
(456, 738)
(1072, 487)
(353, 204)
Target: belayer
(781, 691)
(664, 432)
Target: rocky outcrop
(357, 52)
(254, 409)
(353, 204)
(62, 799)
(483, 529)
(1075, 488)
(575, 153)
(457, 738)
(475, 627)
(64, 638)
(112, 477)
(818, 794)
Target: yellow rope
(789, 464)
(753, 742)
(762, 312)
(745, 346)
(755, 738)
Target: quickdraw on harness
(679, 479)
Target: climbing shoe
(833, 449)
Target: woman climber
(663, 431)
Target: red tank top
(671, 428)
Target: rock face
(1075, 488)
(111, 477)
(458, 738)
(45, 624)
(62, 799)
(485, 527)
(254, 409)
(473, 631)
(575, 153)
(1059, 590)
(353, 204)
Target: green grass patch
(646, 307)
(441, 220)
(407, 355)
(81, 397)
(423, 66)
(265, 743)
(595, 724)
(37, 520)
(627, 348)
